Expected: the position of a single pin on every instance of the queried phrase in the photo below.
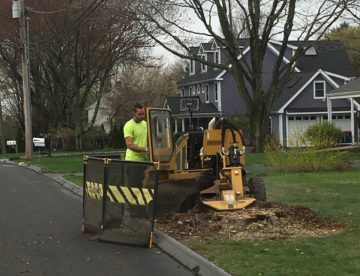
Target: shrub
(324, 135)
(301, 159)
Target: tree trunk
(258, 118)
(79, 135)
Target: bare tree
(147, 85)
(73, 57)
(261, 21)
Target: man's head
(138, 112)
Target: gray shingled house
(323, 67)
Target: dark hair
(137, 106)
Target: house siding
(294, 100)
(230, 97)
(306, 98)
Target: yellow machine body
(228, 190)
(225, 191)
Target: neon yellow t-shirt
(138, 132)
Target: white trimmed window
(203, 66)
(192, 67)
(217, 58)
(207, 99)
(319, 89)
(183, 92)
(216, 91)
(203, 88)
(198, 88)
(194, 90)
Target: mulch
(265, 221)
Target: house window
(216, 92)
(198, 88)
(192, 67)
(206, 93)
(203, 66)
(190, 90)
(319, 90)
(203, 88)
(217, 58)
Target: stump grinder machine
(202, 166)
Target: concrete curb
(197, 264)
(66, 184)
(188, 258)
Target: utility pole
(2, 138)
(24, 40)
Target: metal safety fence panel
(127, 207)
(93, 195)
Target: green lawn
(78, 180)
(59, 164)
(334, 195)
(255, 159)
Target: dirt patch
(262, 222)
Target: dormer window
(203, 66)
(311, 52)
(192, 67)
(319, 89)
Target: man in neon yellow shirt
(135, 134)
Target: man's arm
(131, 145)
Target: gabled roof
(205, 109)
(352, 87)
(296, 85)
(347, 91)
(206, 47)
(199, 77)
(296, 82)
(194, 50)
(330, 56)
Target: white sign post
(39, 143)
(13, 144)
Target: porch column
(183, 124)
(329, 109)
(281, 130)
(176, 126)
(352, 121)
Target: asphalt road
(40, 234)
